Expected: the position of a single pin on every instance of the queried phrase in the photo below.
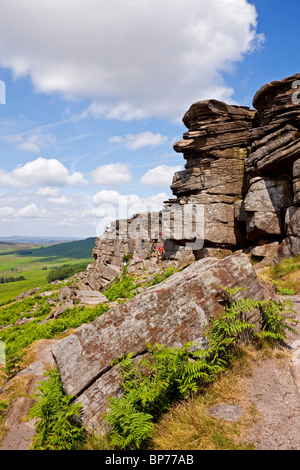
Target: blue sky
(95, 94)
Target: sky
(92, 95)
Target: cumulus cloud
(47, 192)
(160, 176)
(111, 205)
(115, 198)
(143, 139)
(113, 174)
(30, 210)
(41, 171)
(132, 59)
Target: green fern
(131, 428)
(276, 319)
(56, 427)
(150, 386)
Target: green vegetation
(168, 374)
(33, 265)
(6, 280)
(9, 314)
(80, 249)
(122, 288)
(17, 338)
(125, 287)
(149, 389)
(65, 271)
(287, 266)
(56, 429)
(162, 276)
(150, 386)
(7, 247)
(285, 275)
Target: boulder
(264, 204)
(290, 246)
(266, 250)
(171, 313)
(90, 297)
(268, 195)
(64, 293)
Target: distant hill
(37, 240)
(80, 249)
(11, 247)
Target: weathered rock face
(170, 313)
(290, 246)
(215, 148)
(241, 179)
(265, 205)
(275, 137)
(273, 162)
(140, 242)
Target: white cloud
(133, 59)
(111, 205)
(30, 210)
(34, 143)
(115, 199)
(160, 176)
(6, 211)
(143, 139)
(47, 192)
(61, 201)
(41, 171)
(113, 174)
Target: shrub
(122, 288)
(161, 277)
(127, 257)
(6, 280)
(65, 271)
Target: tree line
(6, 280)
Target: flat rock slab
(171, 313)
(90, 297)
(226, 412)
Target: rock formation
(171, 313)
(215, 148)
(239, 191)
(273, 162)
(240, 187)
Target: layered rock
(171, 313)
(273, 162)
(241, 182)
(215, 148)
(275, 136)
(140, 243)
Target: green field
(32, 264)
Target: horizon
(89, 115)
